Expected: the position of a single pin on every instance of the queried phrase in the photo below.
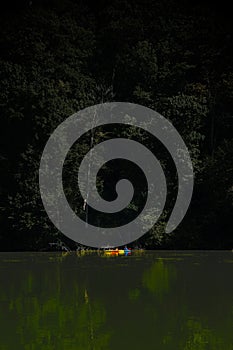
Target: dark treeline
(58, 57)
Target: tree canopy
(58, 57)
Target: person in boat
(126, 249)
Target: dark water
(156, 300)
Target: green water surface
(152, 300)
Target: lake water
(152, 300)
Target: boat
(112, 252)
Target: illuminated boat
(117, 252)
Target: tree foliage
(60, 57)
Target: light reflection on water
(157, 300)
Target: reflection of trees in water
(201, 338)
(170, 309)
(64, 304)
(51, 317)
(158, 278)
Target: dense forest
(58, 57)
